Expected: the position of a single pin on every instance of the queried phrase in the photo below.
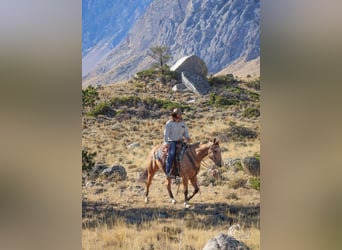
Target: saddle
(180, 150)
(162, 152)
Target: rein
(204, 164)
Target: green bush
(255, 183)
(125, 100)
(240, 133)
(149, 73)
(89, 96)
(87, 160)
(227, 80)
(221, 101)
(254, 84)
(100, 109)
(257, 155)
(251, 112)
(150, 102)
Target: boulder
(195, 83)
(180, 87)
(117, 173)
(251, 165)
(224, 242)
(192, 64)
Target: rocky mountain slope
(104, 25)
(219, 32)
(242, 69)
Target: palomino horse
(189, 167)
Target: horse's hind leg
(168, 185)
(185, 185)
(195, 185)
(147, 186)
(148, 182)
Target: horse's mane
(194, 145)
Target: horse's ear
(216, 141)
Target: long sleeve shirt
(175, 131)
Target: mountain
(104, 25)
(218, 31)
(242, 68)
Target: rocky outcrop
(251, 165)
(195, 83)
(114, 173)
(193, 71)
(192, 64)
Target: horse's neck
(202, 152)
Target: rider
(175, 130)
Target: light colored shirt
(175, 131)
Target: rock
(133, 145)
(195, 83)
(224, 242)
(97, 170)
(117, 173)
(90, 184)
(192, 64)
(251, 165)
(180, 87)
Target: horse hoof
(146, 200)
(186, 205)
(173, 201)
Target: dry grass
(157, 235)
(115, 215)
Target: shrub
(101, 109)
(251, 112)
(125, 100)
(240, 133)
(257, 155)
(87, 160)
(227, 80)
(89, 96)
(221, 101)
(149, 102)
(149, 73)
(254, 84)
(255, 183)
(238, 182)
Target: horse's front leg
(168, 185)
(195, 185)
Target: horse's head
(214, 152)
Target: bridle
(211, 151)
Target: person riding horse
(175, 130)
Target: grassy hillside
(114, 213)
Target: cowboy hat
(176, 111)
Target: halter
(211, 149)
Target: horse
(188, 170)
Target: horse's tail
(150, 164)
(143, 176)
